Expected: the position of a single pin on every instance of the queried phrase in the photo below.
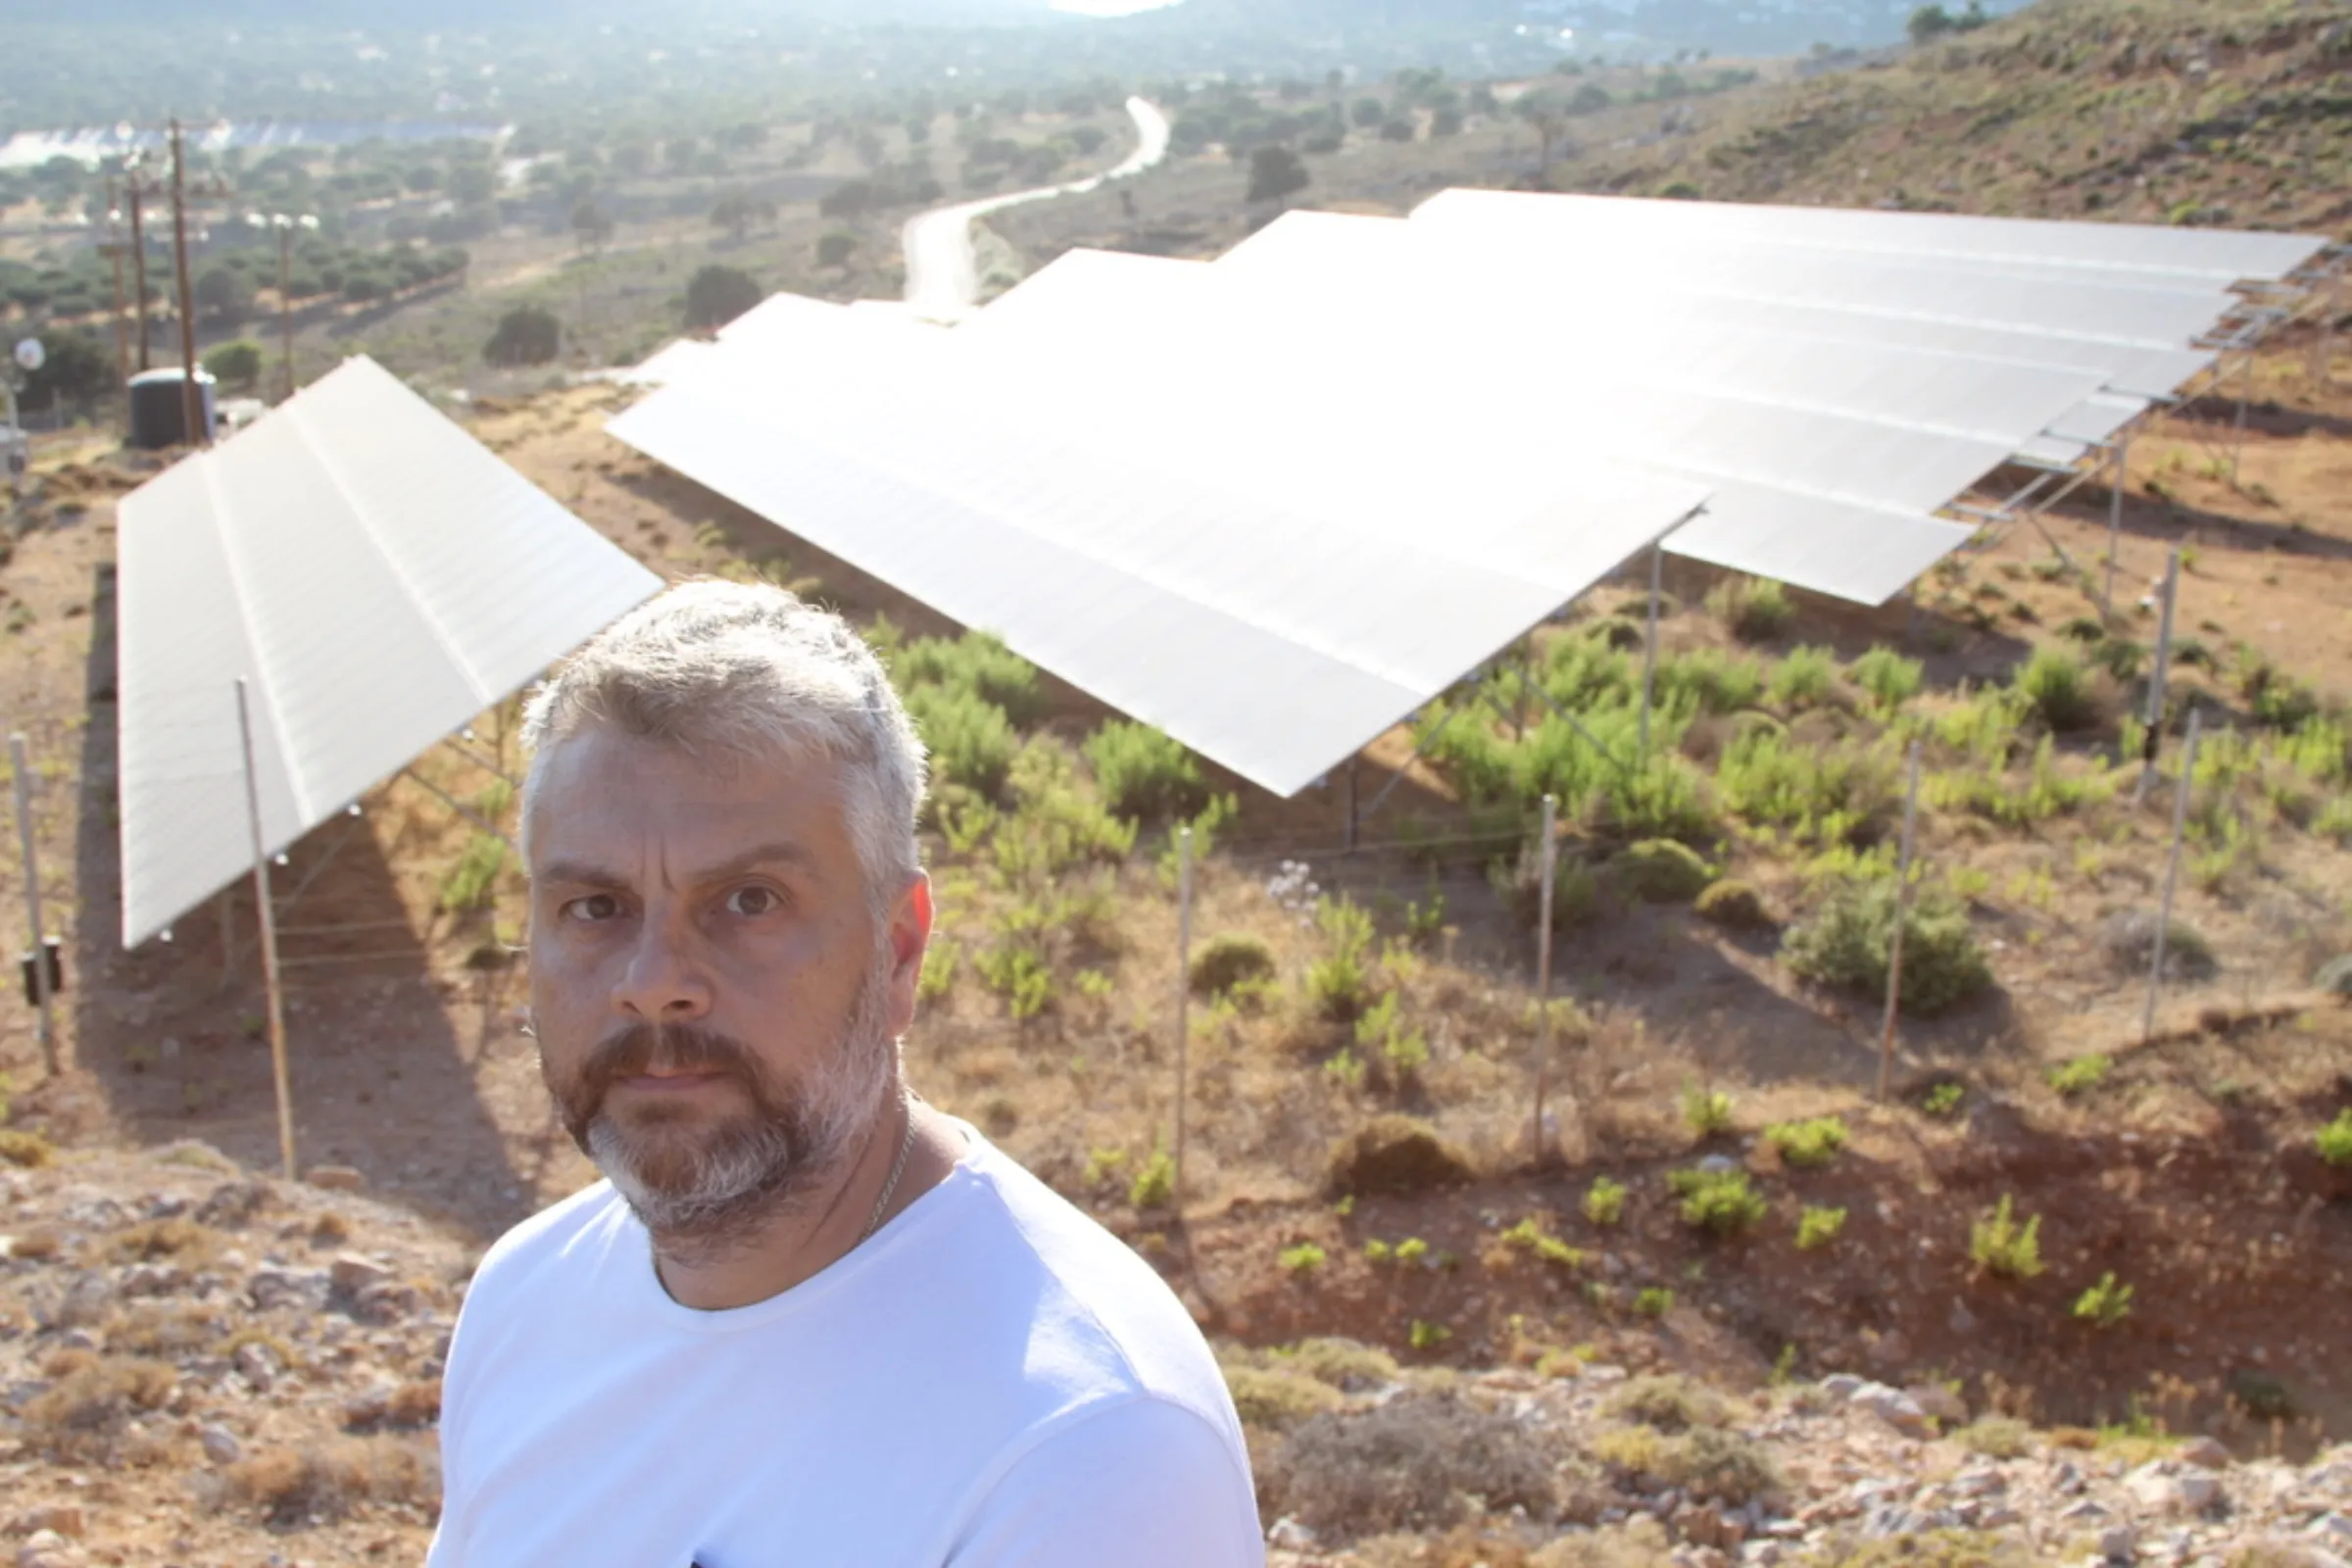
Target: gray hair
(751, 671)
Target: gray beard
(706, 1200)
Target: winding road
(943, 281)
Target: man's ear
(909, 937)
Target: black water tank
(159, 415)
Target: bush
(834, 249)
(1604, 1202)
(2054, 684)
(1999, 1245)
(1707, 1112)
(1394, 1154)
(1229, 963)
(1709, 681)
(1668, 1404)
(1807, 1145)
(2334, 1141)
(715, 295)
(1275, 171)
(1154, 1186)
(1734, 905)
(26, 1150)
(527, 334)
(2130, 937)
(1344, 1363)
(970, 741)
(2079, 1076)
(473, 883)
(1275, 1399)
(1847, 943)
(1754, 610)
(1143, 774)
(1889, 679)
(1996, 1437)
(1718, 1200)
(88, 1406)
(1822, 795)
(1706, 1462)
(1414, 1463)
(296, 1487)
(2105, 1303)
(977, 663)
(237, 363)
(1660, 872)
(1339, 983)
(1805, 678)
(1818, 1227)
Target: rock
(58, 1518)
(2117, 1543)
(306, 1289)
(221, 1446)
(2333, 1531)
(1939, 1402)
(387, 1304)
(1893, 1406)
(336, 1178)
(1842, 1385)
(49, 1549)
(257, 1366)
(2207, 1453)
(1290, 1534)
(2084, 1512)
(350, 1273)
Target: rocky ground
(201, 1365)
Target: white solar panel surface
(373, 574)
(1273, 603)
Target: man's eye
(754, 901)
(595, 906)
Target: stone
(58, 1518)
(2084, 1512)
(2333, 1530)
(2207, 1453)
(1842, 1385)
(1290, 1534)
(221, 1446)
(257, 1366)
(48, 1550)
(305, 1289)
(336, 1179)
(2117, 1543)
(1893, 1406)
(350, 1273)
(1939, 1402)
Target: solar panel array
(373, 574)
(1312, 423)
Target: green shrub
(2105, 1303)
(1604, 1202)
(2120, 658)
(1807, 1144)
(1668, 1402)
(1660, 872)
(1653, 1300)
(1709, 681)
(1818, 1227)
(1804, 678)
(1718, 1200)
(1341, 1363)
(1887, 678)
(970, 740)
(1707, 1112)
(2334, 1141)
(27, 1151)
(1276, 1399)
(1996, 1437)
(1143, 774)
(1303, 1258)
(977, 663)
(2000, 1244)
(1020, 974)
(2054, 684)
(1817, 795)
(1339, 983)
(1230, 962)
(1943, 1100)
(2079, 1076)
(1530, 1236)
(1154, 1186)
(1754, 610)
(1403, 1049)
(1847, 943)
(1734, 906)
(473, 883)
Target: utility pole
(137, 187)
(286, 226)
(193, 423)
(113, 249)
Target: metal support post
(2237, 435)
(1649, 644)
(46, 1024)
(271, 981)
(1536, 1139)
(2115, 522)
(1351, 816)
(1894, 941)
(2158, 678)
(2171, 870)
(1184, 991)
(229, 935)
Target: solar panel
(1274, 605)
(374, 572)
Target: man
(805, 1320)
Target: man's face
(716, 1002)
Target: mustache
(637, 1048)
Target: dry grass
(318, 1483)
(86, 1414)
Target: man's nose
(663, 983)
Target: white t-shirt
(991, 1380)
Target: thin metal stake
(2114, 523)
(2157, 680)
(2171, 868)
(1552, 807)
(1649, 647)
(22, 777)
(1184, 990)
(1351, 815)
(270, 979)
(1903, 911)
(2237, 437)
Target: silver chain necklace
(897, 1168)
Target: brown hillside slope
(2217, 112)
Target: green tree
(237, 363)
(591, 225)
(72, 370)
(1275, 172)
(717, 295)
(836, 248)
(528, 334)
(223, 292)
(1368, 113)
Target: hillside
(2234, 113)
